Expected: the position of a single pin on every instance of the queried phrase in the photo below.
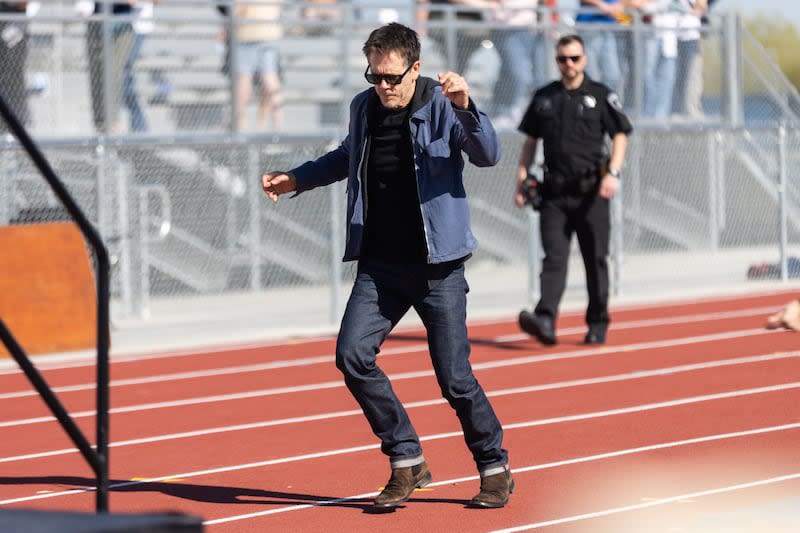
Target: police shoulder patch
(614, 101)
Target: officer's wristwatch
(614, 172)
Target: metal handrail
(98, 457)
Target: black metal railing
(97, 457)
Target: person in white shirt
(520, 45)
(255, 53)
(661, 52)
(686, 95)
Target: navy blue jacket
(439, 134)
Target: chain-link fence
(179, 202)
(172, 71)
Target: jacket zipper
(419, 198)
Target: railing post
(336, 196)
(142, 306)
(255, 199)
(233, 67)
(347, 85)
(100, 183)
(732, 94)
(636, 100)
(618, 236)
(7, 180)
(782, 197)
(107, 19)
(713, 190)
(124, 229)
(534, 258)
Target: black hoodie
(394, 229)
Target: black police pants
(588, 217)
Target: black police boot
(538, 326)
(596, 334)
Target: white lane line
(454, 434)
(654, 503)
(42, 363)
(406, 375)
(307, 361)
(424, 403)
(545, 466)
(586, 352)
(212, 372)
(654, 322)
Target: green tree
(781, 41)
(778, 38)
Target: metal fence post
(233, 67)
(336, 194)
(107, 59)
(713, 191)
(7, 180)
(102, 170)
(732, 61)
(534, 258)
(255, 197)
(617, 234)
(143, 300)
(782, 196)
(123, 223)
(349, 23)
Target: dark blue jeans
(381, 295)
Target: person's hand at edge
(277, 183)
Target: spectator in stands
(13, 56)
(602, 48)
(467, 40)
(689, 76)
(403, 162)
(321, 11)
(255, 53)
(122, 38)
(142, 26)
(661, 53)
(520, 45)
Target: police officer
(572, 116)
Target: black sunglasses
(563, 59)
(391, 79)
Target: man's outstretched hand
(277, 183)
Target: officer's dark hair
(393, 37)
(569, 39)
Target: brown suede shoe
(495, 491)
(402, 484)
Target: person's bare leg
(270, 102)
(244, 88)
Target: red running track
(686, 420)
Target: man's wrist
(614, 172)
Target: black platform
(22, 521)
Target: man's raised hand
(277, 183)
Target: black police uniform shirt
(572, 125)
